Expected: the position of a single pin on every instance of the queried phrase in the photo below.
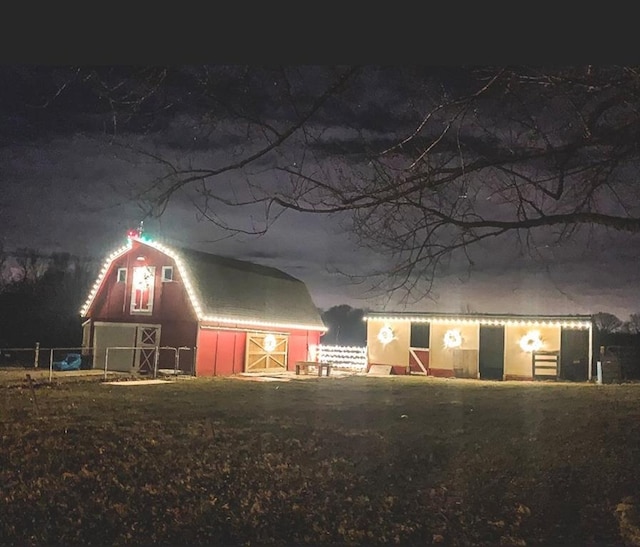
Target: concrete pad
(137, 382)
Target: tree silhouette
(346, 326)
(633, 323)
(41, 304)
(451, 157)
(607, 323)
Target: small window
(419, 335)
(122, 275)
(167, 273)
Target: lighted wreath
(452, 339)
(269, 343)
(385, 335)
(531, 341)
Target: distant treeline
(41, 296)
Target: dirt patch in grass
(358, 460)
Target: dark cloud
(71, 179)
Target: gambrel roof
(233, 288)
(226, 290)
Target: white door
(114, 336)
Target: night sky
(78, 170)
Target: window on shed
(419, 335)
(167, 273)
(122, 275)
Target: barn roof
(229, 291)
(231, 288)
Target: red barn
(158, 307)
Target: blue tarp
(71, 362)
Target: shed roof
(576, 321)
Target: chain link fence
(70, 361)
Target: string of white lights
(189, 287)
(343, 356)
(571, 324)
(101, 275)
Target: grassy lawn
(355, 460)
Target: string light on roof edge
(101, 275)
(137, 235)
(566, 323)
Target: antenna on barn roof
(136, 232)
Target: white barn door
(114, 335)
(138, 343)
(147, 340)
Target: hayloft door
(266, 352)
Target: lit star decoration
(385, 335)
(531, 341)
(136, 235)
(452, 339)
(269, 343)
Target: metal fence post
(106, 360)
(51, 365)
(181, 348)
(155, 362)
(37, 356)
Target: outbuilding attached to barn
(483, 346)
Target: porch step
(379, 370)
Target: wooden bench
(304, 366)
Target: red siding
(298, 346)
(220, 353)
(205, 357)
(170, 299)
(171, 306)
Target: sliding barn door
(266, 352)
